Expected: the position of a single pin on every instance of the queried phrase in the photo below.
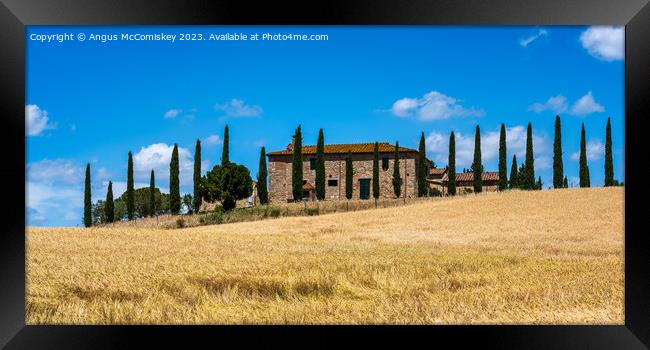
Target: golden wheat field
(542, 257)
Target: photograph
(325, 174)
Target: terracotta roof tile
(437, 171)
(486, 176)
(384, 147)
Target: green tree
(523, 177)
(558, 171)
(109, 206)
(421, 170)
(538, 184)
(188, 202)
(99, 213)
(228, 184)
(529, 174)
(142, 203)
(565, 183)
(584, 175)
(88, 215)
(174, 183)
(262, 191)
(130, 201)
(514, 175)
(397, 179)
(451, 171)
(609, 163)
(196, 204)
(588, 178)
(375, 171)
(349, 173)
(152, 196)
(225, 153)
(296, 166)
(503, 162)
(320, 166)
(477, 166)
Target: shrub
(180, 223)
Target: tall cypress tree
(262, 191)
(565, 183)
(397, 179)
(558, 168)
(296, 166)
(588, 178)
(421, 170)
(375, 171)
(451, 166)
(174, 184)
(109, 206)
(349, 173)
(584, 176)
(477, 166)
(609, 163)
(529, 176)
(503, 162)
(130, 191)
(198, 193)
(152, 194)
(88, 216)
(538, 184)
(514, 176)
(225, 153)
(320, 166)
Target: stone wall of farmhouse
(280, 175)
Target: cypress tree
(349, 173)
(320, 166)
(503, 162)
(538, 185)
(421, 170)
(296, 166)
(609, 163)
(397, 179)
(529, 175)
(225, 152)
(88, 204)
(558, 171)
(109, 206)
(262, 191)
(565, 183)
(375, 172)
(477, 167)
(196, 199)
(174, 185)
(514, 176)
(152, 194)
(451, 166)
(588, 178)
(584, 176)
(130, 191)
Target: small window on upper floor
(384, 163)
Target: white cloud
(213, 140)
(50, 200)
(586, 105)
(433, 106)
(57, 170)
(438, 147)
(528, 40)
(36, 120)
(557, 104)
(237, 108)
(157, 156)
(172, 113)
(604, 42)
(595, 149)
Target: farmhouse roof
(437, 171)
(486, 176)
(384, 147)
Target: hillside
(517, 257)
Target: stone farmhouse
(465, 182)
(279, 183)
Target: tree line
(228, 182)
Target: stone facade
(280, 189)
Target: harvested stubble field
(543, 257)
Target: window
(312, 163)
(332, 183)
(384, 163)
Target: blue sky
(93, 101)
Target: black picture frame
(16, 14)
